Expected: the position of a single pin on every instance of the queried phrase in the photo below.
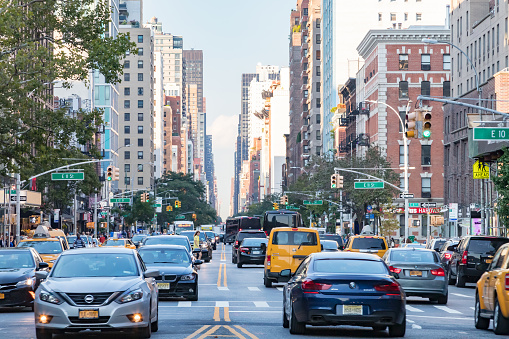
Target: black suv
(241, 236)
(336, 237)
(471, 251)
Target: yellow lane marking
(252, 336)
(224, 280)
(240, 336)
(209, 332)
(201, 329)
(227, 314)
(219, 275)
(222, 267)
(216, 314)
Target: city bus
(179, 226)
(236, 224)
(281, 218)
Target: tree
(501, 181)
(41, 42)
(388, 221)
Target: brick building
(399, 67)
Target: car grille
(100, 320)
(79, 298)
(7, 287)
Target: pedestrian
(102, 239)
(196, 243)
(2, 241)
(78, 243)
(392, 242)
(12, 243)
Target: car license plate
(2, 296)
(352, 309)
(89, 314)
(163, 286)
(256, 252)
(489, 261)
(416, 273)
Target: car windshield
(43, 247)
(15, 259)
(168, 240)
(438, 244)
(254, 242)
(368, 243)
(329, 244)
(114, 242)
(350, 266)
(485, 246)
(243, 235)
(418, 245)
(165, 256)
(190, 236)
(414, 256)
(336, 238)
(294, 238)
(71, 238)
(138, 237)
(210, 235)
(85, 265)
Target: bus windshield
(179, 228)
(250, 224)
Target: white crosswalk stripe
(280, 289)
(472, 308)
(448, 310)
(261, 304)
(223, 288)
(413, 309)
(254, 289)
(222, 304)
(461, 295)
(185, 304)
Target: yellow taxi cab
(286, 249)
(367, 244)
(127, 243)
(492, 293)
(48, 247)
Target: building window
(127, 104)
(127, 168)
(403, 89)
(140, 76)
(318, 103)
(127, 142)
(426, 187)
(406, 16)
(140, 90)
(447, 62)
(140, 103)
(140, 180)
(318, 23)
(127, 91)
(127, 155)
(127, 77)
(140, 63)
(140, 116)
(403, 61)
(402, 154)
(140, 51)
(127, 129)
(379, 16)
(140, 129)
(426, 155)
(318, 84)
(425, 62)
(140, 142)
(140, 154)
(418, 16)
(425, 88)
(318, 136)
(393, 16)
(127, 64)
(140, 168)
(446, 89)
(318, 73)
(305, 11)
(127, 116)
(127, 181)
(402, 115)
(140, 38)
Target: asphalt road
(234, 303)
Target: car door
(304, 243)
(279, 250)
(494, 272)
(290, 289)
(456, 257)
(151, 283)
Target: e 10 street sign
(120, 200)
(363, 185)
(315, 202)
(488, 133)
(180, 217)
(292, 208)
(68, 176)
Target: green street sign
(120, 200)
(488, 133)
(368, 184)
(104, 213)
(292, 208)
(413, 204)
(314, 202)
(68, 176)
(180, 217)
(157, 205)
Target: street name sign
(413, 204)
(68, 176)
(491, 133)
(368, 184)
(315, 202)
(180, 217)
(481, 170)
(120, 200)
(292, 208)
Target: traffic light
(116, 174)
(168, 208)
(339, 180)
(109, 173)
(411, 119)
(144, 197)
(426, 126)
(194, 216)
(333, 181)
(284, 200)
(275, 206)
(178, 204)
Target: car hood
(96, 285)
(170, 269)
(13, 275)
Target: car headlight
(129, 296)
(187, 277)
(49, 297)
(204, 245)
(26, 282)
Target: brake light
(268, 260)
(295, 229)
(236, 243)
(309, 285)
(244, 249)
(394, 270)
(507, 282)
(464, 258)
(392, 287)
(439, 272)
(240, 230)
(448, 256)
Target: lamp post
(479, 93)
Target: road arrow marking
(448, 310)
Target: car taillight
(309, 285)
(448, 256)
(237, 243)
(244, 249)
(268, 260)
(439, 272)
(464, 258)
(393, 287)
(394, 270)
(507, 282)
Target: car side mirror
(342, 247)
(451, 248)
(42, 265)
(285, 273)
(151, 273)
(198, 262)
(41, 275)
(321, 247)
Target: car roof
(412, 249)
(111, 250)
(367, 236)
(295, 229)
(251, 231)
(169, 247)
(170, 236)
(40, 239)
(16, 248)
(346, 255)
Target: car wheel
(286, 323)
(460, 279)
(207, 260)
(42, 333)
(480, 322)
(239, 265)
(398, 330)
(450, 279)
(233, 259)
(267, 282)
(379, 328)
(442, 300)
(296, 327)
(500, 323)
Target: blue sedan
(337, 288)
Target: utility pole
(18, 208)
(95, 215)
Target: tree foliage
(501, 181)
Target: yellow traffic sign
(481, 170)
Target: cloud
(224, 131)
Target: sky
(234, 35)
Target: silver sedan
(419, 272)
(105, 289)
